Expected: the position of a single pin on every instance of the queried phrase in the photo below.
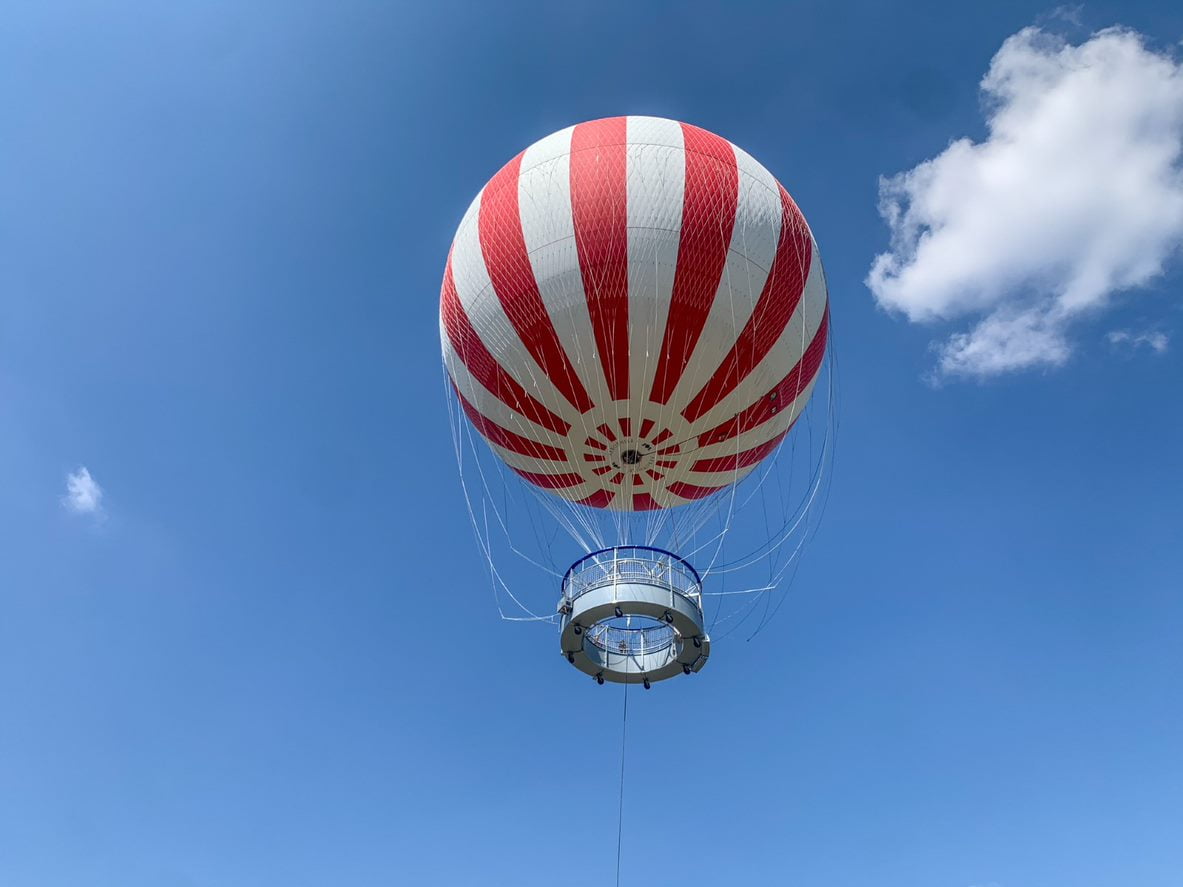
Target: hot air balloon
(634, 317)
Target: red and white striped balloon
(633, 313)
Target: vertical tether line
(620, 808)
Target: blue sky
(268, 653)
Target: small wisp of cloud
(1156, 340)
(83, 494)
(1069, 14)
(1075, 195)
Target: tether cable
(620, 807)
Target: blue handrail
(625, 548)
(625, 563)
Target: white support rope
(511, 517)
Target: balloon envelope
(633, 313)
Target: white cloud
(1076, 194)
(1155, 340)
(83, 494)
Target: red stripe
(708, 218)
(598, 499)
(507, 439)
(599, 210)
(739, 460)
(690, 491)
(551, 481)
(778, 300)
(646, 427)
(644, 502)
(503, 246)
(484, 366)
(786, 391)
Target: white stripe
(666, 499)
(491, 406)
(545, 150)
(784, 354)
(719, 479)
(475, 292)
(544, 201)
(533, 464)
(760, 434)
(753, 248)
(656, 180)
